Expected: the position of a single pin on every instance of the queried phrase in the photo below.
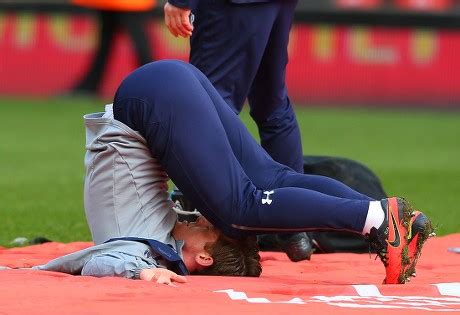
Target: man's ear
(204, 259)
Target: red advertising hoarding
(45, 55)
(349, 65)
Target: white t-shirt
(108, 111)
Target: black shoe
(297, 246)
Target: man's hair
(233, 257)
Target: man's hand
(178, 20)
(161, 275)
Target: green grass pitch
(415, 153)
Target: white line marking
(452, 289)
(369, 296)
(235, 295)
(367, 290)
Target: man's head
(207, 251)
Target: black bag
(355, 175)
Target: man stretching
(169, 119)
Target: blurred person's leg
(134, 23)
(108, 24)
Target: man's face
(195, 235)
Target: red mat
(331, 283)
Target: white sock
(375, 217)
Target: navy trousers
(242, 49)
(211, 157)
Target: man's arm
(177, 17)
(118, 264)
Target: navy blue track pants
(211, 157)
(243, 50)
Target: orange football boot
(390, 240)
(420, 229)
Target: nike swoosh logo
(397, 240)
